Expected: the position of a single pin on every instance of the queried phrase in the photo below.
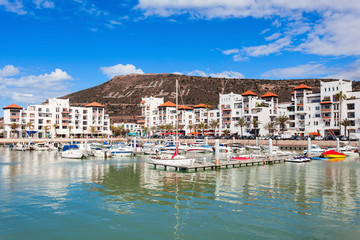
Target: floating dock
(225, 164)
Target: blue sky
(50, 48)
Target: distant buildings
(307, 112)
(56, 118)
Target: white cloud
(230, 51)
(44, 4)
(8, 70)
(224, 74)
(351, 72)
(13, 6)
(120, 70)
(32, 88)
(273, 36)
(301, 71)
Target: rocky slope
(122, 94)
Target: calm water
(45, 197)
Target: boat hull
(173, 161)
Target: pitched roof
(292, 93)
(13, 106)
(168, 104)
(249, 93)
(269, 94)
(302, 86)
(94, 104)
(201, 105)
(185, 107)
(143, 101)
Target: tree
(346, 123)
(214, 124)
(29, 125)
(203, 126)
(169, 127)
(70, 127)
(153, 129)
(190, 127)
(242, 123)
(255, 122)
(282, 121)
(92, 129)
(146, 131)
(207, 106)
(47, 129)
(55, 126)
(270, 126)
(13, 127)
(226, 132)
(340, 97)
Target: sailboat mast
(177, 113)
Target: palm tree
(55, 126)
(92, 129)
(282, 121)
(203, 126)
(70, 127)
(29, 125)
(346, 123)
(46, 128)
(242, 123)
(190, 127)
(14, 126)
(340, 96)
(255, 122)
(270, 126)
(214, 124)
(169, 127)
(146, 131)
(226, 132)
(153, 129)
(207, 106)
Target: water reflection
(286, 194)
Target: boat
(170, 147)
(20, 147)
(121, 150)
(225, 149)
(253, 148)
(41, 147)
(200, 148)
(102, 153)
(72, 151)
(174, 159)
(315, 149)
(245, 157)
(333, 154)
(298, 159)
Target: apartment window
(57, 109)
(317, 108)
(351, 106)
(316, 123)
(32, 114)
(352, 123)
(351, 115)
(39, 109)
(337, 88)
(317, 115)
(327, 124)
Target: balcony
(227, 115)
(14, 116)
(226, 121)
(326, 110)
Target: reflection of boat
(333, 154)
(71, 151)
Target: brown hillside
(122, 94)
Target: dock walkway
(225, 164)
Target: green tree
(47, 129)
(346, 123)
(55, 126)
(270, 126)
(13, 127)
(282, 121)
(29, 125)
(242, 123)
(226, 132)
(203, 127)
(340, 96)
(214, 124)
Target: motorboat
(333, 154)
(121, 150)
(225, 149)
(253, 148)
(102, 153)
(315, 149)
(200, 148)
(298, 159)
(72, 151)
(41, 147)
(20, 147)
(170, 147)
(175, 159)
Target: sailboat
(174, 159)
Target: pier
(223, 165)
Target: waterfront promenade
(280, 143)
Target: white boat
(121, 150)
(41, 147)
(200, 148)
(172, 160)
(20, 147)
(102, 153)
(315, 149)
(225, 149)
(298, 159)
(170, 147)
(72, 151)
(253, 148)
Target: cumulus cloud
(32, 88)
(44, 4)
(224, 74)
(350, 72)
(13, 6)
(120, 69)
(8, 70)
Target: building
(57, 118)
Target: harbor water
(45, 197)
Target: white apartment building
(149, 112)
(322, 112)
(133, 128)
(56, 118)
(256, 111)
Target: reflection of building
(56, 117)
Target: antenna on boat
(177, 111)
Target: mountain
(122, 94)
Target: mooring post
(257, 141)
(309, 147)
(217, 152)
(337, 144)
(270, 149)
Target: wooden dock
(223, 165)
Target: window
(351, 106)
(317, 115)
(316, 123)
(32, 115)
(317, 108)
(351, 115)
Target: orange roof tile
(249, 93)
(185, 107)
(292, 93)
(168, 104)
(201, 105)
(13, 106)
(269, 94)
(94, 104)
(143, 101)
(302, 86)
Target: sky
(49, 48)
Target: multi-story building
(56, 117)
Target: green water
(45, 197)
